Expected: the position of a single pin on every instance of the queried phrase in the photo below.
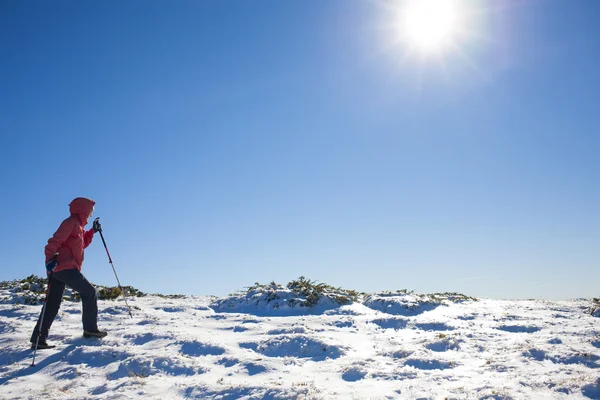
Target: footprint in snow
(587, 359)
(170, 309)
(228, 362)
(114, 310)
(297, 329)
(250, 321)
(428, 364)
(14, 313)
(254, 369)
(341, 311)
(67, 373)
(142, 339)
(147, 322)
(295, 346)
(536, 354)
(98, 390)
(343, 324)
(197, 349)
(6, 328)
(147, 367)
(354, 374)
(236, 328)
(240, 329)
(592, 391)
(434, 326)
(399, 354)
(94, 358)
(519, 328)
(391, 323)
(443, 345)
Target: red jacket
(70, 238)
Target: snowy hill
(306, 341)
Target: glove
(96, 226)
(52, 263)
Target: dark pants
(76, 281)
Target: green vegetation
(595, 308)
(452, 297)
(305, 292)
(169, 296)
(32, 290)
(313, 292)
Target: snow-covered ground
(389, 346)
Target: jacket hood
(82, 208)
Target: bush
(110, 293)
(595, 308)
(169, 296)
(313, 292)
(32, 291)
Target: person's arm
(87, 238)
(59, 237)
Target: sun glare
(429, 26)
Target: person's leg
(55, 294)
(76, 281)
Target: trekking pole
(37, 341)
(113, 267)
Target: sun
(430, 26)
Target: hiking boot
(95, 333)
(41, 345)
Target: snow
(261, 345)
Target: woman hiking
(64, 257)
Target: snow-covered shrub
(32, 291)
(29, 291)
(109, 293)
(595, 308)
(169, 296)
(313, 292)
(404, 302)
(297, 295)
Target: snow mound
(444, 345)
(145, 366)
(354, 374)
(230, 392)
(391, 323)
(428, 364)
(307, 297)
(592, 390)
(299, 346)
(410, 304)
(519, 328)
(198, 349)
(595, 308)
(299, 297)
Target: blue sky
(232, 142)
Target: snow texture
(386, 346)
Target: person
(64, 258)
